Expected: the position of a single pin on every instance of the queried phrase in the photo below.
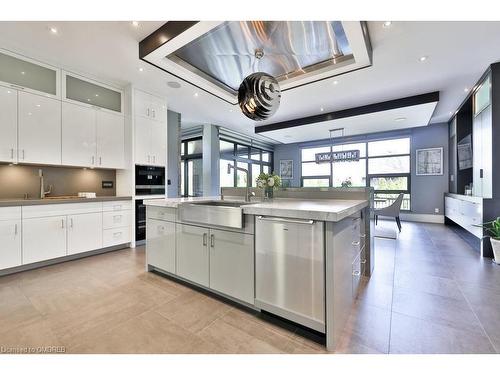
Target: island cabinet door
(160, 245)
(232, 264)
(192, 253)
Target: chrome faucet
(43, 193)
(248, 194)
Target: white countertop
(315, 209)
(469, 198)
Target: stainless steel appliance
(290, 269)
(149, 180)
(140, 221)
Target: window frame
(185, 157)
(366, 158)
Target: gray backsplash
(17, 180)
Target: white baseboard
(422, 218)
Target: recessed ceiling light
(466, 89)
(141, 69)
(335, 82)
(387, 24)
(173, 84)
(321, 109)
(96, 95)
(135, 23)
(423, 58)
(23, 73)
(38, 105)
(451, 112)
(195, 94)
(399, 119)
(53, 30)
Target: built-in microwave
(149, 180)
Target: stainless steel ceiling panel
(227, 53)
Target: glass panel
(265, 169)
(315, 182)
(86, 92)
(195, 147)
(255, 154)
(226, 148)
(309, 154)
(482, 96)
(395, 164)
(226, 179)
(255, 173)
(313, 169)
(195, 177)
(383, 200)
(182, 179)
(389, 147)
(349, 173)
(241, 177)
(389, 183)
(26, 74)
(182, 148)
(352, 146)
(266, 156)
(242, 151)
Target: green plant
(268, 180)
(346, 183)
(492, 227)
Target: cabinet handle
(15, 229)
(117, 217)
(355, 243)
(204, 239)
(23, 154)
(149, 159)
(154, 159)
(117, 234)
(71, 223)
(356, 273)
(154, 113)
(62, 223)
(363, 261)
(148, 112)
(12, 153)
(100, 160)
(212, 240)
(93, 160)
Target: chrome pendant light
(259, 96)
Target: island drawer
(161, 213)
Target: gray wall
(173, 153)
(427, 191)
(17, 180)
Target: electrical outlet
(436, 210)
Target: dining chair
(391, 211)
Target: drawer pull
(117, 234)
(205, 239)
(15, 229)
(363, 261)
(117, 217)
(356, 273)
(117, 208)
(355, 243)
(212, 240)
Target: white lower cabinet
(84, 232)
(192, 253)
(44, 238)
(232, 264)
(10, 239)
(160, 246)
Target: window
(192, 167)
(383, 165)
(253, 159)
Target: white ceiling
(400, 118)
(458, 54)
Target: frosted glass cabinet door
(93, 94)
(78, 135)
(39, 122)
(24, 73)
(8, 125)
(110, 140)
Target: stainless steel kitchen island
(298, 258)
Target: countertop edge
(41, 202)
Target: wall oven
(149, 180)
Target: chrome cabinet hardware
(100, 160)
(93, 160)
(205, 239)
(282, 220)
(363, 261)
(154, 113)
(12, 153)
(212, 240)
(356, 273)
(15, 229)
(148, 112)
(62, 223)
(23, 153)
(149, 159)
(71, 223)
(117, 234)
(355, 243)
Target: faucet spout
(248, 195)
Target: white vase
(495, 244)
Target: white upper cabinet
(150, 129)
(79, 138)
(110, 140)
(8, 125)
(29, 75)
(81, 90)
(39, 129)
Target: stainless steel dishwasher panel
(290, 269)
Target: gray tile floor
(430, 293)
